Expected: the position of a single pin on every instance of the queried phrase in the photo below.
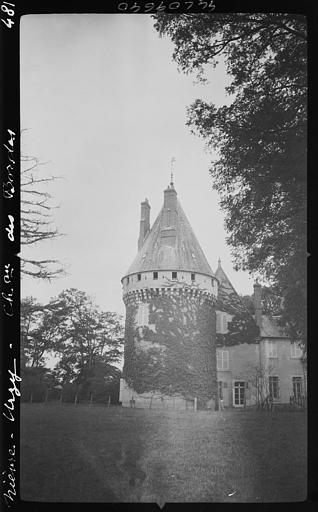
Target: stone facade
(272, 366)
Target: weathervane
(171, 167)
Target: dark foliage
(260, 139)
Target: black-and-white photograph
(163, 257)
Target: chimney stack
(168, 232)
(170, 207)
(144, 222)
(258, 304)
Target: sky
(103, 103)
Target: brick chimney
(258, 304)
(170, 206)
(144, 222)
(170, 215)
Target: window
(222, 359)
(295, 351)
(273, 387)
(168, 217)
(297, 387)
(212, 281)
(192, 277)
(155, 275)
(174, 275)
(143, 315)
(221, 322)
(239, 393)
(127, 280)
(139, 277)
(272, 349)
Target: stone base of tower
(130, 398)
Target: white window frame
(143, 315)
(272, 350)
(222, 360)
(271, 387)
(221, 322)
(240, 389)
(295, 351)
(299, 379)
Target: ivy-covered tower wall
(170, 294)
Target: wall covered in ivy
(175, 354)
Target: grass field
(99, 454)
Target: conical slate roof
(228, 299)
(183, 253)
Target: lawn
(99, 454)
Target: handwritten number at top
(150, 6)
(10, 12)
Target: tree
(38, 332)
(87, 341)
(90, 340)
(36, 219)
(37, 383)
(260, 139)
(38, 339)
(257, 376)
(241, 329)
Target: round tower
(170, 294)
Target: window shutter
(218, 360)
(226, 359)
(224, 322)
(143, 315)
(218, 321)
(146, 314)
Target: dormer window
(139, 277)
(168, 217)
(192, 277)
(174, 275)
(155, 275)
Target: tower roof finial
(171, 168)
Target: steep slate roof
(184, 254)
(228, 299)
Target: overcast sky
(105, 104)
